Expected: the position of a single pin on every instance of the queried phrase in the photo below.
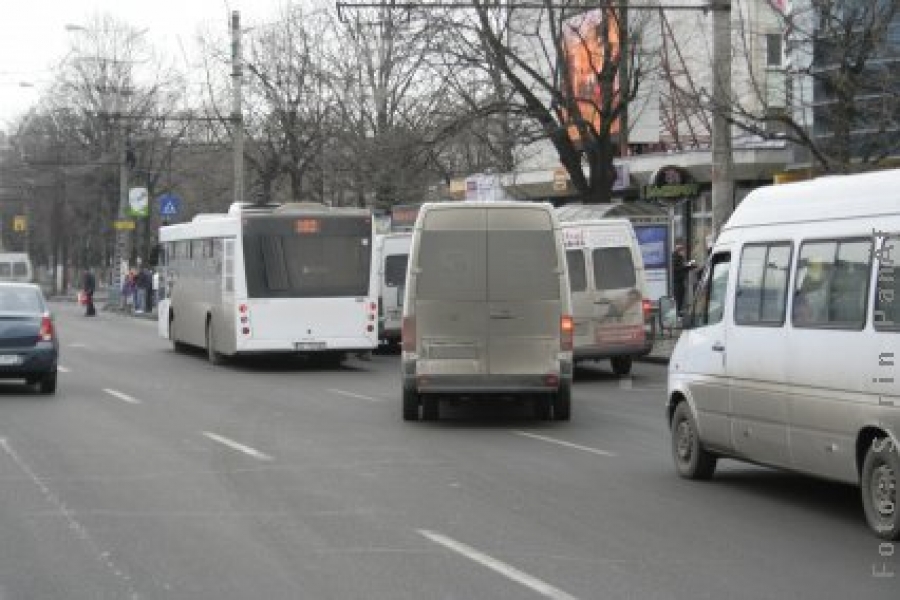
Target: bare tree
(836, 96)
(571, 72)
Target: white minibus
(610, 307)
(299, 278)
(393, 254)
(16, 266)
(790, 353)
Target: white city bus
(298, 278)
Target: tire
(211, 354)
(879, 487)
(47, 383)
(176, 345)
(562, 402)
(543, 408)
(430, 407)
(621, 365)
(410, 404)
(692, 461)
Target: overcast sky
(33, 36)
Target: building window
(774, 52)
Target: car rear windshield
(307, 257)
(613, 268)
(20, 300)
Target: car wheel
(881, 470)
(214, 357)
(47, 383)
(692, 461)
(410, 404)
(621, 365)
(562, 402)
(430, 407)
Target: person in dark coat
(681, 267)
(88, 286)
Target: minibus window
(577, 271)
(613, 268)
(451, 266)
(20, 269)
(522, 265)
(395, 270)
(709, 303)
(887, 286)
(831, 284)
(762, 284)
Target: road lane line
(353, 395)
(78, 345)
(565, 443)
(541, 587)
(121, 396)
(63, 369)
(237, 446)
(78, 529)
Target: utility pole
(237, 119)
(722, 160)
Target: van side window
(613, 268)
(709, 303)
(395, 270)
(577, 270)
(886, 315)
(831, 284)
(761, 296)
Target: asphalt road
(153, 474)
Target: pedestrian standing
(681, 268)
(88, 287)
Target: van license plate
(309, 345)
(10, 359)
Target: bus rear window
(332, 262)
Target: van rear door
(618, 317)
(451, 293)
(524, 291)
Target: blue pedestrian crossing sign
(169, 205)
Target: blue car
(29, 348)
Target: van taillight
(648, 309)
(244, 318)
(408, 334)
(46, 333)
(566, 333)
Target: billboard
(583, 43)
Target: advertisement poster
(654, 243)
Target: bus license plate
(10, 359)
(309, 345)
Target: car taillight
(46, 333)
(648, 309)
(408, 334)
(566, 333)
(373, 316)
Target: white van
(393, 254)
(487, 308)
(610, 307)
(790, 355)
(16, 266)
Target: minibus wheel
(410, 404)
(879, 486)
(430, 407)
(621, 365)
(562, 402)
(692, 461)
